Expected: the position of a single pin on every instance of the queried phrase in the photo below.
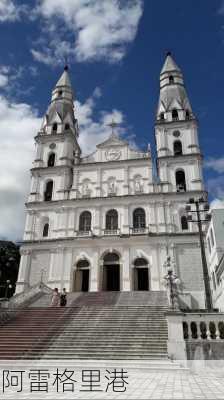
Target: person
(55, 298)
(63, 298)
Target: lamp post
(199, 209)
(7, 287)
(171, 281)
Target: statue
(171, 282)
(138, 187)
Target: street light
(7, 287)
(198, 208)
(172, 282)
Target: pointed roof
(169, 64)
(113, 140)
(64, 80)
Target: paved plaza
(137, 383)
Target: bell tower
(179, 160)
(57, 149)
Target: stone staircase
(103, 325)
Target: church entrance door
(111, 272)
(142, 279)
(81, 277)
(141, 274)
(85, 280)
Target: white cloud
(19, 123)
(8, 11)
(216, 204)
(216, 187)
(3, 80)
(216, 164)
(101, 30)
(221, 8)
(94, 131)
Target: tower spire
(173, 95)
(61, 108)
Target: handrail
(21, 298)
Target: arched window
(180, 181)
(55, 127)
(175, 116)
(67, 127)
(112, 220)
(162, 116)
(85, 221)
(51, 160)
(139, 218)
(60, 93)
(171, 79)
(177, 148)
(111, 259)
(49, 191)
(184, 223)
(46, 230)
(187, 114)
(140, 262)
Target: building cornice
(181, 157)
(143, 197)
(150, 239)
(192, 121)
(115, 162)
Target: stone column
(29, 228)
(125, 271)
(94, 275)
(99, 183)
(53, 261)
(161, 216)
(71, 222)
(96, 222)
(126, 223)
(56, 267)
(74, 190)
(126, 181)
(66, 275)
(24, 271)
(152, 218)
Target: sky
(115, 50)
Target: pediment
(113, 140)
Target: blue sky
(115, 52)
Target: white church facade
(105, 221)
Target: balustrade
(203, 328)
(109, 232)
(139, 231)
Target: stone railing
(188, 330)
(84, 233)
(111, 232)
(203, 326)
(27, 295)
(139, 231)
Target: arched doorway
(111, 272)
(81, 276)
(141, 274)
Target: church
(107, 221)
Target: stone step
(101, 325)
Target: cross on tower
(113, 125)
(66, 62)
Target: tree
(9, 267)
